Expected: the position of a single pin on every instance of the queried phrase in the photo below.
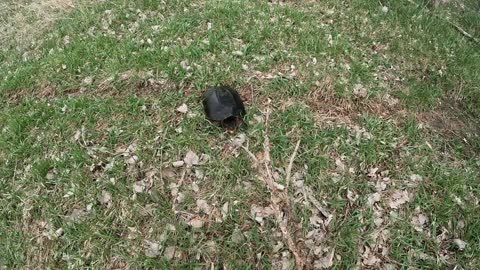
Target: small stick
(290, 165)
(180, 183)
(465, 33)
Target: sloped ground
(361, 151)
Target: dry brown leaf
(177, 164)
(461, 245)
(77, 215)
(419, 222)
(191, 159)
(88, 80)
(195, 187)
(239, 140)
(369, 258)
(169, 173)
(398, 198)
(204, 207)
(372, 172)
(152, 249)
(340, 165)
(352, 196)
(259, 213)
(373, 198)
(199, 174)
(326, 261)
(139, 187)
(183, 108)
(196, 223)
(360, 91)
(225, 208)
(169, 253)
(105, 199)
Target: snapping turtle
(223, 104)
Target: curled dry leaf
(169, 253)
(169, 173)
(352, 196)
(191, 159)
(196, 223)
(372, 172)
(461, 245)
(237, 53)
(183, 108)
(259, 213)
(77, 215)
(239, 140)
(88, 80)
(152, 249)
(419, 222)
(237, 236)
(224, 210)
(373, 198)
(178, 164)
(132, 160)
(398, 198)
(416, 178)
(340, 165)
(360, 91)
(204, 207)
(380, 186)
(194, 187)
(105, 199)
(199, 174)
(76, 136)
(326, 261)
(139, 187)
(368, 258)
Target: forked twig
(277, 196)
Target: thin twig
(457, 27)
(180, 183)
(277, 197)
(252, 156)
(290, 165)
(465, 33)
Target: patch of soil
(452, 122)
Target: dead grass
(23, 22)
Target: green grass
(59, 134)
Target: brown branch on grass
(463, 32)
(290, 164)
(277, 196)
(180, 183)
(457, 27)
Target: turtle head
(232, 123)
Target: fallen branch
(457, 27)
(277, 196)
(289, 168)
(465, 33)
(180, 183)
(299, 260)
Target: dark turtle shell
(223, 104)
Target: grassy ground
(385, 104)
